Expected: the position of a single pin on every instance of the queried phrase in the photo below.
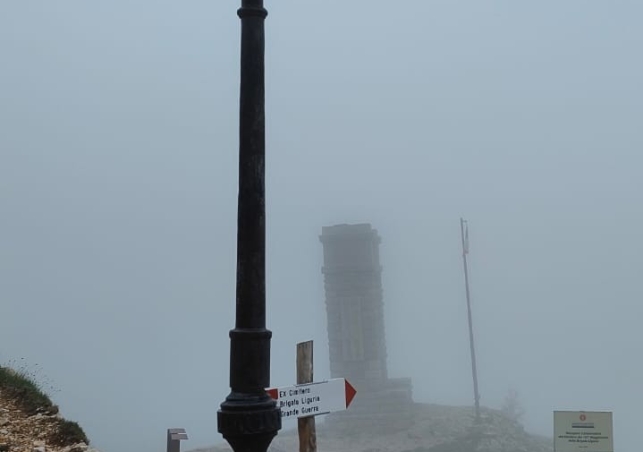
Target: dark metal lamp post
(249, 419)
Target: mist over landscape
(118, 200)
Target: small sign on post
(583, 431)
(174, 437)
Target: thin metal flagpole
(464, 231)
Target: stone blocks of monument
(356, 333)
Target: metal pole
(174, 437)
(249, 419)
(474, 372)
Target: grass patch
(23, 388)
(68, 433)
(26, 392)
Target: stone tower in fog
(354, 306)
(356, 337)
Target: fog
(118, 173)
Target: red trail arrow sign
(313, 399)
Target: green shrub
(68, 433)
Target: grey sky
(118, 154)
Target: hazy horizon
(118, 173)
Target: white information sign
(313, 399)
(583, 431)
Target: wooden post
(306, 425)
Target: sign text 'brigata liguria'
(313, 399)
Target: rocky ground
(29, 422)
(434, 428)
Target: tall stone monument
(356, 335)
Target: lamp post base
(249, 422)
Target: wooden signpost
(306, 425)
(308, 399)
